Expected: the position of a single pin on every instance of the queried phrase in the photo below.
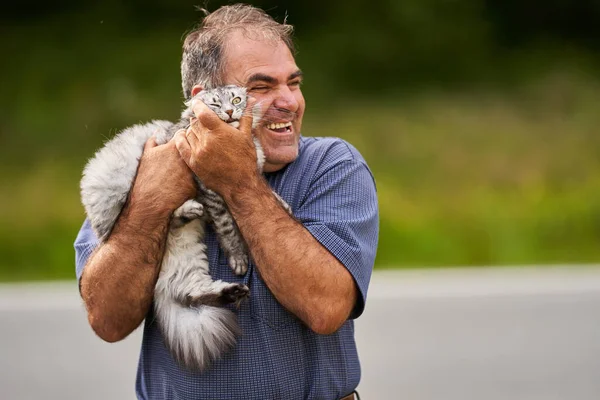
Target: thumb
(248, 116)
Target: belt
(352, 396)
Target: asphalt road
(530, 333)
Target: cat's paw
(239, 264)
(235, 293)
(220, 294)
(189, 210)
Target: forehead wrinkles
(244, 49)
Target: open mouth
(280, 127)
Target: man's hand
(163, 178)
(220, 155)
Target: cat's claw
(239, 264)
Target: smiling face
(269, 72)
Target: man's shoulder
(329, 150)
(319, 159)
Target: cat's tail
(196, 336)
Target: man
(309, 275)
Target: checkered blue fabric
(332, 192)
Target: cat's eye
(236, 100)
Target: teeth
(279, 125)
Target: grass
(477, 178)
(481, 179)
(40, 214)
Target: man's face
(269, 72)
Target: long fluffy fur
(195, 333)
(108, 176)
(188, 303)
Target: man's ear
(196, 89)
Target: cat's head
(228, 102)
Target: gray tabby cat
(188, 302)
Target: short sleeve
(85, 243)
(340, 210)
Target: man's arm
(302, 274)
(118, 280)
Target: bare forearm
(118, 280)
(302, 274)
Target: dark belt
(352, 396)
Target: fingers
(194, 139)
(247, 117)
(183, 146)
(206, 116)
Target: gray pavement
(510, 333)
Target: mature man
(309, 275)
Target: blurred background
(480, 119)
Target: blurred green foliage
(479, 118)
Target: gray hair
(203, 48)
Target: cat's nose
(229, 112)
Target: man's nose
(285, 99)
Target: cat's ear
(196, 89)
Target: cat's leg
(195, 332)
(185, 271)
(219, 294)
(229, 235)
(227, 232)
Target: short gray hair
(203, 48)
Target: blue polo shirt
(332, 193)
